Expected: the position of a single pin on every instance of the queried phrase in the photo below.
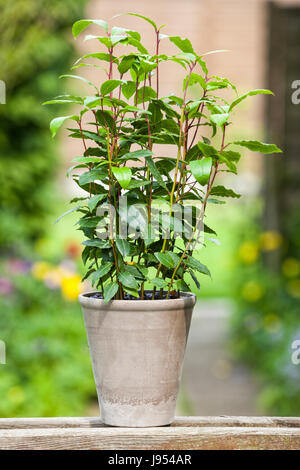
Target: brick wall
(236, 25)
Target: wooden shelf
(186, 433)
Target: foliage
(33, 51)
(46, 354)
(46, 350)
(127, 119)
(266, 320)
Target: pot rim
(186, 300)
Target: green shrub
(33, 51)
(48, 369)
(266, 321)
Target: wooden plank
(180, 438)
(182, 421)
(185, 434)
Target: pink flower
(18, 266)
(6, 286)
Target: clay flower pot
(137, 350)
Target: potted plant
(142, 212)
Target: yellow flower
(272, 323)
(71, 287)
(16, 395)
(270, 240)
(252, 291)
(293, 288)
(291, 267)
(40, 269)
(248, 252)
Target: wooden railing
(186, 433)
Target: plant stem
(157, 62)
(110, 214)
(212, 176)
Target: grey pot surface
(137, 349)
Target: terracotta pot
(137, 349)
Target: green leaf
(207, 150)
(195, 264)
(171, 223)
(105, 118)
(87, 160)
(155, 172)
(76, 100)
(136, 155)
(182, 286)
(133, 292)
(231, 155)
(123, 246)
(194, 279)
(116, 31)
(144, 18)
(93, 201)
(159, 282)
(223, 192)
(250, 93)
(123, 175)
(183, 44)
(219, 119)
(256, 146)
(228, 162)
(128, 89)
(201, 169)
(216, 85)
(192, 79)
(78, 77)
(137, 273)
(145, 94)
(165, 259)
(56, 123)
(116, 38)
(209, 230)
(128, 280)
(171, 126)
(175, 258)
(133, 109)
(135, 43)
(102, 271)
(110, 291)
(92, 175)
(138, 183)
(98, 55)
(126, 63)
(67, 212)
(80, 25)
(89, 222)
(202, 64)
(97, 243)
(109, 85)
(85, 254)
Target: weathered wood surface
(186, 433)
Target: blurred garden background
(247, 317)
